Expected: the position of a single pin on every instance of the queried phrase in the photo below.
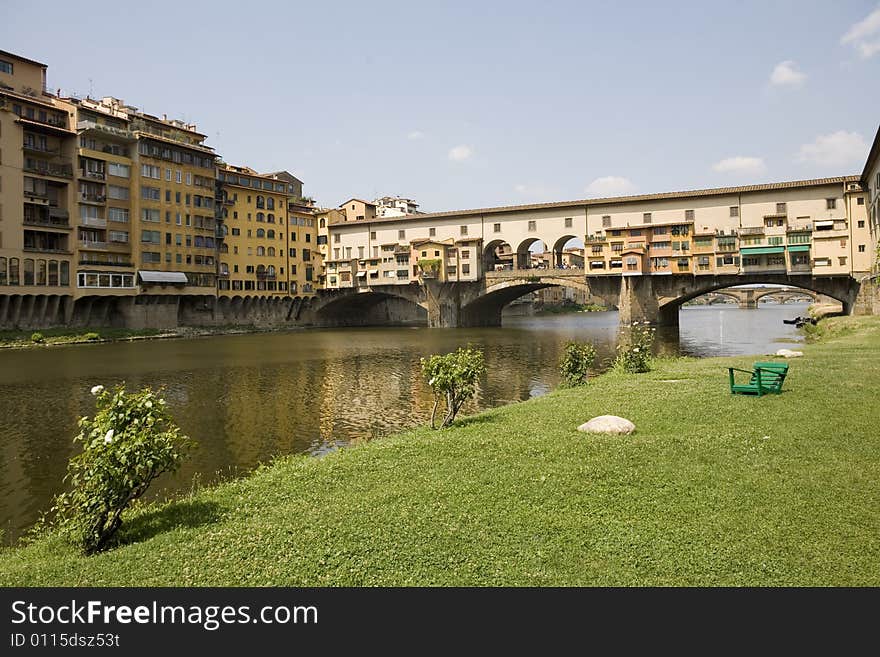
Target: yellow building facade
(37, 156)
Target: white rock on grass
(788, 353)
(608, 424)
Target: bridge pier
(638, 303)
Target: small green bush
(131, 440)
(634, 353)
(577, 359)
(91, 337)
(37, 338)
(453, 377)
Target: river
(247, 398)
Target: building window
(496, 228)
(463, 230)
(5, 67)
(830, 203)
(372, 234)
(646, 218)
(606, 221)
(336, 238)
(734, 210)
(401, 234)
(861, 248)
(861, 223)
(432, 232)
(688, 215)
(568, 222)
(781, 208)
(533, 226)
(466, 268)
(860, 200)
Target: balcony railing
(116, 132)
(48, 169)
(93, 175)
(92, 198)
(265, 276)
(39, 148)
(48, 222)
(93, 221)
(102, 263)
(92, 244)
(753, 230)
(799, 229)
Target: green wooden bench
(766, 378)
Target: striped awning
(762, 250)
(799, 247)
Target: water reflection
(247, 398)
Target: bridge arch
(671, 292)
(370, 307)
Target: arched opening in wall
(567, 253)
(498, 256)
(532, 254)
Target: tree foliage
(131, 440)
(453, 377)
(577, 359)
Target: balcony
(106, 129)
(805, 228)
(776, 215)
(753, 230)
(92, 175)
(93, 221)
(86, 197)
(224, 272)
(102, 263)
(595, 238)
(44, 221)
(92, 244)
(35, 147)
(48, 169)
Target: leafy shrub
(453, 377)
(131, 440)
(576, 361)
(91, 337)
(634, 353)
(37, 338)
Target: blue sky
(469, 104)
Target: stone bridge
(655, 299)
(750, 297)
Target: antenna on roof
(91, 88)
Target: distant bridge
(750, 297)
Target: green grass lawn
(712, 489)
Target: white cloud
(460, 153)
(415, 134)
(740, 164)
(610, 186)
(864, 36)
(785, 74)
(835, 149)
